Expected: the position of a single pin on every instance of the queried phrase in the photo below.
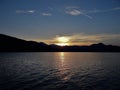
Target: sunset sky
(76, 22)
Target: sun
(63, 41)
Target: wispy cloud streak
(74, 11)
(103, 11)
(25, 11)
(47, 14)
(87, 39)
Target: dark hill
(12, 44)
(8, 43)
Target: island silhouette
(13, 44)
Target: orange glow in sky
(62, 41)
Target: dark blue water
(60, 71)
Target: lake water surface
(59, 71)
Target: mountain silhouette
(13, 44)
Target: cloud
(74, 11)
(25, 11)
(90, 39)
(47, 14)
(103, 11)
(87, 39)
(90, 17)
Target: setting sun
(62, 41)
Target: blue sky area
(82, 21)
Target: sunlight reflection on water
(65, 71)
(62, 58)
(60, 70)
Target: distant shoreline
(13, 44)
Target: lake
(59, 71)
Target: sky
(81, 22)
